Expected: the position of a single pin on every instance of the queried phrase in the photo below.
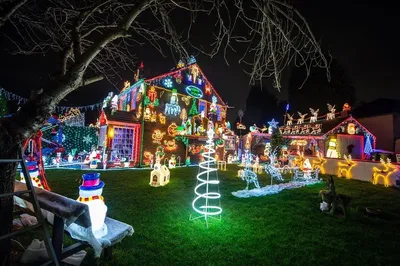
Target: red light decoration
(152, 93)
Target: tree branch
(7, 13)
(91, 80)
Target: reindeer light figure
(345, 168)
(301, 119)
(272, 169)
(314, 115)
(331, 114)
(319, 163)
(290, 120)
(247, 174)
(383, 173)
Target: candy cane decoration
(201, 204)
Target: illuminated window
(123, 144)
(202, 106)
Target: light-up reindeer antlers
(314, 115)
(331, 114)
(301, 119)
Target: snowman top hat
(91, 181)
(32, 166)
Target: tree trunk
(9, 147)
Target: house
(382, 118)
(164, 115)
(333, 137)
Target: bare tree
(8, 9)
(96, 39)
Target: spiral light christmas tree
(207, 201)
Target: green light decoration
(207, 201)
(193, 110)
(76, 139)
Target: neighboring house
(382, 118)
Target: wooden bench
(67, 212)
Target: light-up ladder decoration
(207, 203)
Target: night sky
(362, 37)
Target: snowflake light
(168, 83)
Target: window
(123, 143)
(202, 106)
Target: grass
(283, 229)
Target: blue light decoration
(207, 200)
(368, 145)
(273, 123)
(194, 91)
(191, 60)
(287, 107)
(173, 108)
(168, 83)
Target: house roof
(322, 128)
(182, 73)
(121, 116)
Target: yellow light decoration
(299, 142)
(157, 136)
(162, 118)
(172, 129)
(195, 72)
(127, 84)
(332, 152)
(351, 128)
(111, 132)
(384, 173)
(186, 100)
(147, 157)
(183, 115)
(299, 161)
(153, 117)
(180, 64)
(319, 163)
(147, 114)
(139, 112)
(170, 145)
(345, 168)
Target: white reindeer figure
(301, 119)
(331, 114)
(247, 174)
(314, 115)
(290, 120)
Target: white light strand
(206, 168)
(21, 100)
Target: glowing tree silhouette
(207, 201)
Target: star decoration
(87, 139)
(273, 123)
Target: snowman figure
(90, 193)
(172, 162)
(33, 170)
(58, 159)
(70, 158)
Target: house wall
(363, 170)
(384, 130)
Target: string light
(202, 203)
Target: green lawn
(283, 229)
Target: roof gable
(189, 80)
